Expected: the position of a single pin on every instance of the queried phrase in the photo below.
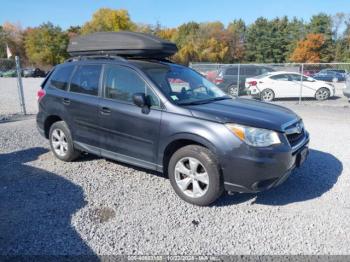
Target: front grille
(293, 135)
(295, 138)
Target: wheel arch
(49, 121)
(180, 140)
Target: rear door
(282, 85)
(82, 102)
(129, 133)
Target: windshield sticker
(173, 97)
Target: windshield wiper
(200, 102)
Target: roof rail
(95, 57)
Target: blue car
(330, 75)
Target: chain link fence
(322, 83)
(12, 96)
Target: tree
(168, 33)
(73, 31)
(235, 33)
(46, 44)
(309, 50)
(12, 35)
(322, 24)
(258, 42)
(106, 19)
(2, 43)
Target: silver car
(347, 88)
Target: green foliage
(46, 44)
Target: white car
(287, 85)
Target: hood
(245, 112)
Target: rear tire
(322, 94)
(267, 95)
(61, 142)
(233, 91)
(195, 175)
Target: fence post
(20, 86)
(238, 78)
(301, 83)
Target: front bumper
(257, 170)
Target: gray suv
(166, 117)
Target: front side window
(61, 76)
(86, 80)
(121, 83)
(183, 85)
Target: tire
(267, 95)
(233, 91)
(61, 142)
(200, 185)
(322, 94)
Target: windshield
(184, 86)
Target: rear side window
(86, 80)
(231, 71)
(280, 77)
(60, 77)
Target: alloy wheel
(267, 95)
(191, 177)
(59, 142)
(322, 94)
(233, 91)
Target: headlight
(253, 136)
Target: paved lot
(97, 206)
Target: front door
(129, 133)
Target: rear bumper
(262, 170)
(40, 123)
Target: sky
(168, 13)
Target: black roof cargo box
(121, 43)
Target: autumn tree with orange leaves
(309, 49)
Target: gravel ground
(97, 206)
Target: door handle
(105, 111)
(66, 101)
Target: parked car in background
(33, 72)
(310, 72)
(228, 76)
(1, 73)
(346, 91)
(287, 85)
(10, 73)
(331, 75)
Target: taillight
(252, 83)
(41, 93)
(219, 80)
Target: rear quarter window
(60, 77)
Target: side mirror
(140, 99)
(310, 79)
